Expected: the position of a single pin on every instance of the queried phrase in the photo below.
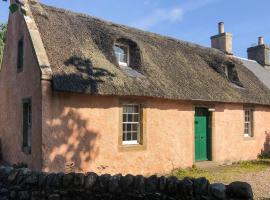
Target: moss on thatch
(80, 51)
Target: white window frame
(123, 64)
(227, 71)
(132, 142)
(249, 122)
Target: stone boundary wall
(24, 184)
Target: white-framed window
(122, 54)
(248, 124)
(131, 124)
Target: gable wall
(13, 88)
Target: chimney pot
(260, 41)
(221, 27)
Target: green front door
(201, 127)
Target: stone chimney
(222, 41)
(260, 53)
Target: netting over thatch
(80, 50)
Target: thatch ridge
(171, 68)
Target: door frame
(209, 130)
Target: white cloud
(171, 15)
(175, 14)
(159, 16)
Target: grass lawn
(225, 174)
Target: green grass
(224, 174)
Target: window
(20, 56)
(122, 54)
(229, 72)
(248, 126)
(131, 124)
(27, 125)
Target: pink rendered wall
(13, 88)
(229, 143)
(84, 131)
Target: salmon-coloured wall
(13, 88)
(229, 143)
(85, 131)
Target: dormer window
(231, 73)
(228, 71)
(122, 54)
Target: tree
(3, 30)
(16, 6)
(3, 27)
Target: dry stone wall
(24, 184)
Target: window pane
(128, 127)
(136, 118)
(121, 59)
(124, 118)
(129, 117)
(136, 109)
(121, 53)
(134, 127)
(134, 136)
(130, 109)
(128, 136)
(125, 58)
(118, 49)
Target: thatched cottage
(81, 94)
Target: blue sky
(190, 20)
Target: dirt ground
(260, 182)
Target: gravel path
(260, 182)
(258, 176)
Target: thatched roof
(80, 51)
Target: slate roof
(80, 51)
(262, 73)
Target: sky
(190, 20)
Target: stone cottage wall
(24, 184)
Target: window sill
(121, 64)
(26, 150)
(247, 137)
(135, 142)
(131, 147)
